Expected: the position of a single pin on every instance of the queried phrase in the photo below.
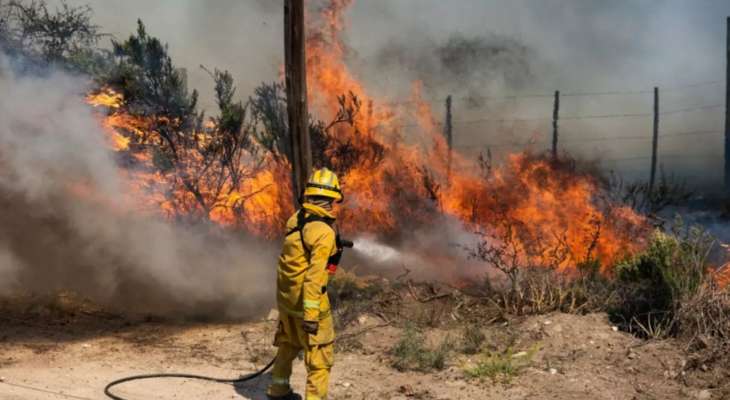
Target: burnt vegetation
(668, 192)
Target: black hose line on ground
(244, 378)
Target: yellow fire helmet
(324, 183)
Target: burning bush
(543, 213)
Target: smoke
(468, 66)
(68, 224)
(499, 48)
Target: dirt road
(578, 357)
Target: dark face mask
(320, 202)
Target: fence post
(727, 109)
(655, 140)
(448, 131)
(556, 110)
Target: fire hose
(331, 267)
(232, 381)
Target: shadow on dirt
(254, 389)
(51, 323)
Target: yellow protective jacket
(302, 275)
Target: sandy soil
(578, 357)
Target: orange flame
(546, 201)
(722, 276)
(259, 204)
(391, 185)
(106, 97)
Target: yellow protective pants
(318, 356)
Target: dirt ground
(576, 357)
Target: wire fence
(702, 116)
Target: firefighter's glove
(335, 258)
(310, 327)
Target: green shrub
(653, 284)
(411, 353)
(501, 366)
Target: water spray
(376, 251)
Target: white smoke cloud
(67, 224)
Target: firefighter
(305, 320)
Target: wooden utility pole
(727, 109)
(448, 131)
(556, 113)
(296, 95)
(655, 140)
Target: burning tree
(209, 167)
(231, 168)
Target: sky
(507, 47)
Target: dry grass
(501, 366)
(704, 324)
(412, 353)
(472, 339)
(352, 296)
(545, 290)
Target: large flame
(530, 199)
(259, 204)
(536, 205)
